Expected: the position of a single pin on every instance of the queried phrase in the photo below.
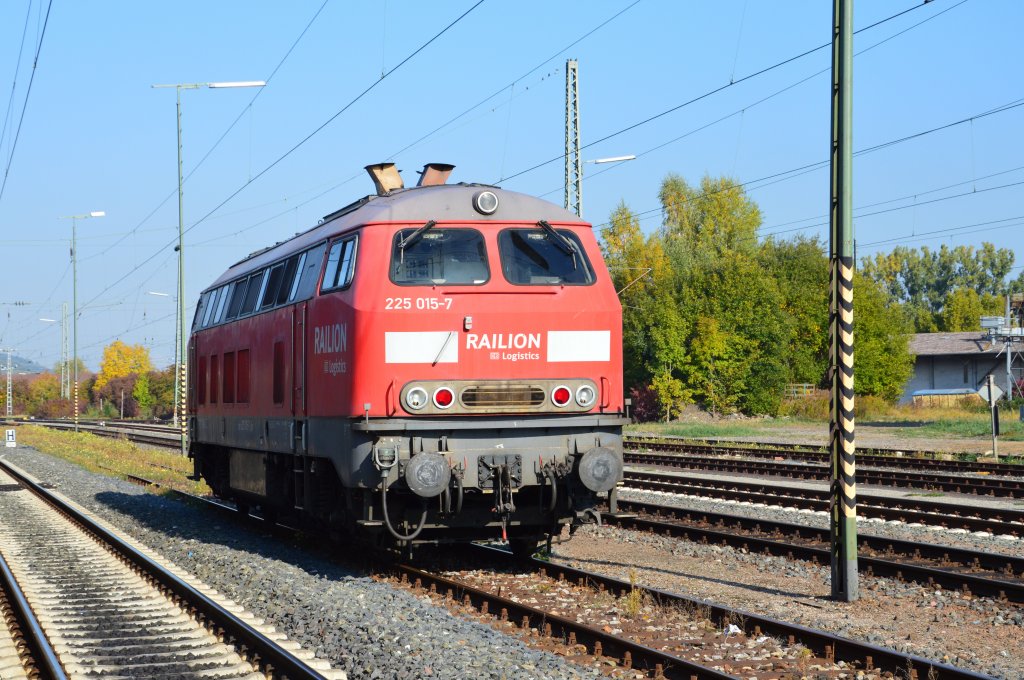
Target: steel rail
(925, 460)
(820, 642)
(948, 515)
(977, 486)
(727, 526)
(45, 662)
(273, 658)
(598, 642)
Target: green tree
(654, 334)
(881, 328)
(161, 387)
(800, 270)
(142, 395)
(925, 279)
(714, 218)
(962, 311)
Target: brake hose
(387, 520)
(550, 474)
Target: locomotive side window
(237, 296)
(222, 304)
(309, 273)
(269, 298)
(340, 265)
(256, 283)
(211, 304)
(286, 281)
(428, 256)
(204, 304)
(543, 257)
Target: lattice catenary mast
(10, 392)
(573, 162)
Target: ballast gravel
(362, 626)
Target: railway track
(698, 648)
(982, 486)
(24, 650)
(918, 460)
(108, 608)
(969, 571)
(997, 521)
(639, 655)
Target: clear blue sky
(95, 136)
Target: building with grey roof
(957, 361)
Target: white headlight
(585, 396)
(485, 202)
(416, 398)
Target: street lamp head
(98, 213)
(239, 83)
(48, 320)
(613, 159)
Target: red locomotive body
(439, 363)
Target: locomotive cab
(433, 364)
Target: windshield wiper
(561, 241)
(413, 237)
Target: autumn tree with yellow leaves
(121, 360)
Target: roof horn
(434, 174)
(385, 178)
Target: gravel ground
(362, 626)
(979, 634)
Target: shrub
(645, 404)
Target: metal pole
(843, 505)
(1009, 351)
(992, 414)
(179, 376)
(65, 369)
(74, 309)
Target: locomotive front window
(428, 256)
(544, 257)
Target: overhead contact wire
(24, 107)
(296, 146)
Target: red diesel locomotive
(429, 364)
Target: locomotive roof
(443, 203)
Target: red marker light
(561, 395)
(443, 397)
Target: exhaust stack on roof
(434, 174)
(385, 178)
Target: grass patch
(113, 457)
(708, 430)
